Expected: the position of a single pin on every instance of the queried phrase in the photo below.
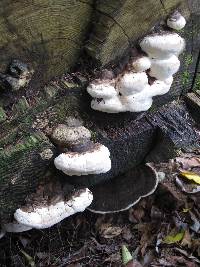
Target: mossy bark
(53, 37)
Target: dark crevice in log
(163, 5)
(196, 71)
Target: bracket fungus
(176, 21)
(124, 191)
(141, 64)
(83, 157)
(13, 227)
(40, 216)
(17, 76)
(131, 90)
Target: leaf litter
(161, 230)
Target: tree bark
(56, 37)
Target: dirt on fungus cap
(124, 191)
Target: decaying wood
(53, 37)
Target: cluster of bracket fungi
(148, 75)
(129, 91)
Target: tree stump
(63, 42)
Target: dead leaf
(181, 185)
(196, 246)
(74, 265)
(136, 214)
(28, 258)
(185, 253)
(126, 233)
(196, 223)
(133, 263)
(147, 236)
(188, 162)
(191, 176)
(113, 258)
(108, 231)
(186, 241)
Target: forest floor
(161, 230)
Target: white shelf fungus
(44, 217)
(163, 69)
(82, 156)
(132, 91)
(162, 46)
(104, 90)
(132, 83)
(94, 161)
(141, 64)
(112, 105)
(176, 21)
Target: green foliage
(126, 255)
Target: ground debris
(161, 230)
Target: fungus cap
(141, 101)
(66, 135)
(44, 217)
(141, 64)
(131, 83)
(176, 21)
(94, 161)
(124, 191)
(162, 45)
(160, 87)
(102, 90)
(165, 68)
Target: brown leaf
(136, 214)
(186, 241)
(188, 163)
(109, 231)
(133, 263)
(126, 233)
(113, 258)
(147, 236)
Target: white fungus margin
(47, 216)
(94, 161)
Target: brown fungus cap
(67, 135)
(124, 191)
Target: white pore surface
(176, 24)
(95, 161)
(44, 217)
(15, 227)
(162, 46)
(132, 91)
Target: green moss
(188, 60)
(185, 78)
(27, 143)
(2, 115)
(21, 106)
(93, 135)
(197, 83)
